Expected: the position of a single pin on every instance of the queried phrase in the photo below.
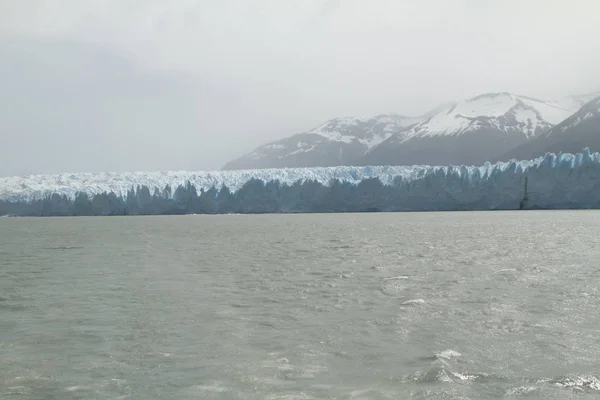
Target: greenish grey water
(371, 306)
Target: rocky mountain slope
(572, 135)
(340, 141)
(470, 132)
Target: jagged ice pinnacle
(553, 181)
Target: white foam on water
(580, 383)
(290, 396)
(19, 390)
(522, 390)
(464, 377)
(413, 302)
(505, 270)
(448, 354)
(215, 387)
(396, 278)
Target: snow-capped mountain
(580, 130)
(340, 141)
(470, 132)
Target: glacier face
(553, 181)
(38, 186)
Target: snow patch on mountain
(368, 131)
(576, 121)
(502, 111)
(582, 129)
(466, 132)
(588, 111)
(302, 148)
(340, 141)
(334, 129)
(274, 146)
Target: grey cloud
(70, 107)
(127, 85)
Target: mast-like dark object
(523, 203)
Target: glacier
(563, 181)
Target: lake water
(488, 305)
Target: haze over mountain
(340, 141)
(471, 132)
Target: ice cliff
(550, 182)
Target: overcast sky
(126, 85)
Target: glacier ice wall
(38, 186)
(552, 181)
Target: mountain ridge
(335, 142)
(470, 131)
(581, 129)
